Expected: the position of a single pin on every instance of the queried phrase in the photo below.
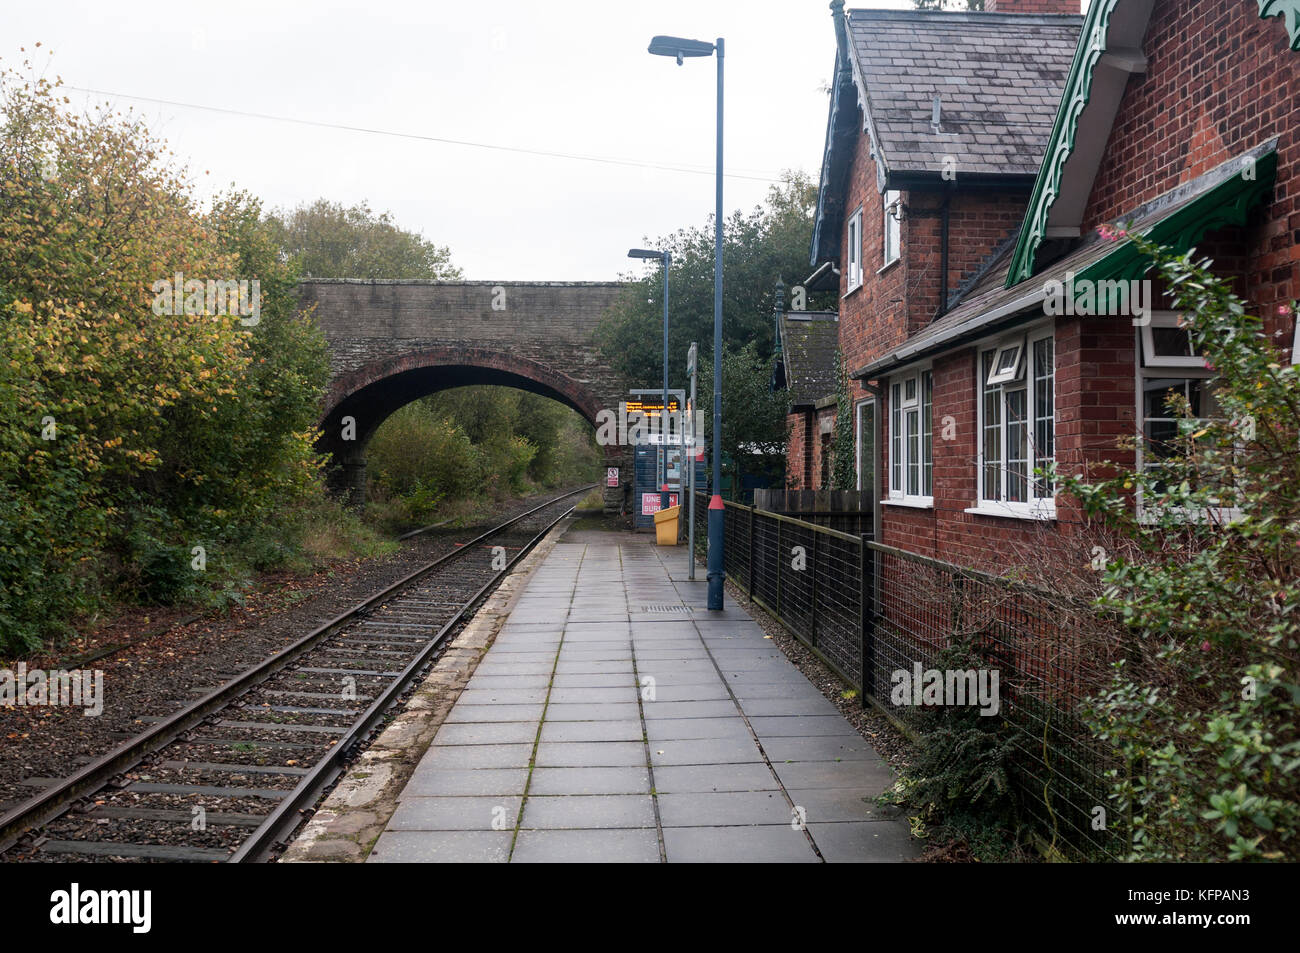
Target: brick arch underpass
(392, 342)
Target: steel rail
(285, 817)
(54, 800)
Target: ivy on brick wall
(844, 475)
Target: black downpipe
(943, 241)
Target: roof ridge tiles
(966, 16)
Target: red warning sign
(650, 503)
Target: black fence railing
(870, 611)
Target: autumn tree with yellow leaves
(128, 437)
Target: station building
(975, 164)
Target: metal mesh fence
(809, 577)
(1037, 643)
(871, 611)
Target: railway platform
(615, 719)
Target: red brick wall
(977, 223)
(1096, 396)
(821, 443)
(1219, 82)
(797, 456)
(904, 298)
(805, 449)
(873, 318)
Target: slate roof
(809, 340)
(999, 78)
(988, 306)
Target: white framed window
(1170, 371)
(911, 460)
(1017, 425)
(893, 226)
(1007, 363)
(865, 411)
(1295, 340)
(1165, 343)
(853, 263)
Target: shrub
(414, 450)
(1204, 709)
(123, 430)
(959, 773)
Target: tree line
(157, 439)
(760, 247)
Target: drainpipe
(943, 241)
(809, 418)
(841, 30)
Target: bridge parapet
(394, 341)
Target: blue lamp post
(679, 49)
(667, 258)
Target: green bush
(518, 455)
(959, 773)
(45, 578)
(423, 501)
(1203, 710)
(124, 431)
(474, 443)
(416, 450)
(165, 574)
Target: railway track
(228, 777)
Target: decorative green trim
(1078, 91)
(1290, 10)
(1228, 203)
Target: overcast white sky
(568, 76)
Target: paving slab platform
(616, 719)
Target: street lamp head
(645, 253)
(678, 47)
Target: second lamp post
(680, 48)
(666, 257)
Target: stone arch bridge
(392, 342)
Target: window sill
(854, 289)
(887, 265)
(911, 502)
(1040, 512)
